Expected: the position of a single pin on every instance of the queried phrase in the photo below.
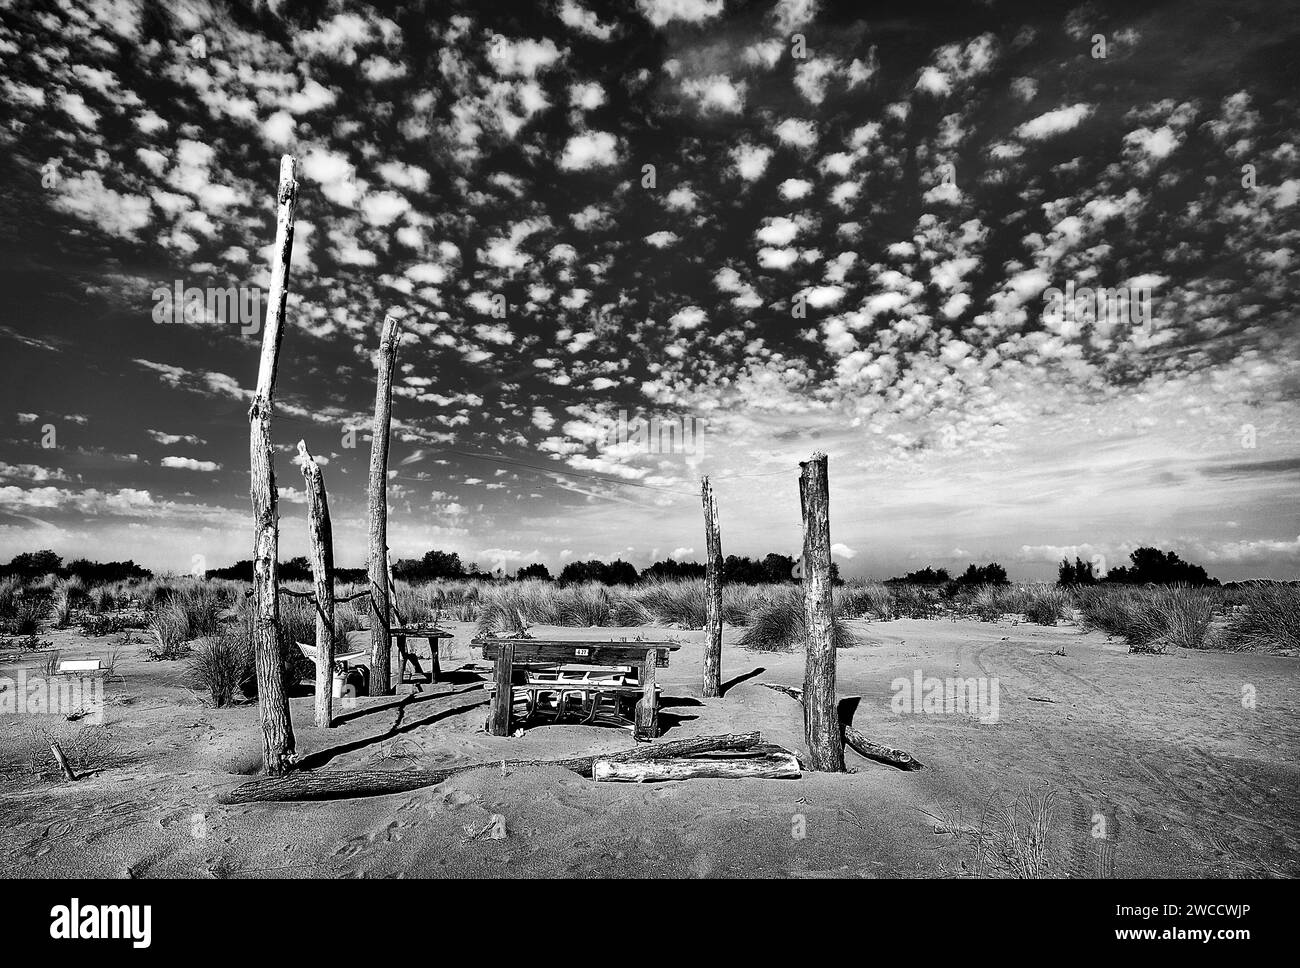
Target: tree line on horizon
(1147, 566)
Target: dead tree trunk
(272, 697)
(380, 615)
(322, 572)
(821, 716)
(712, 594)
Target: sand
(1189, 781)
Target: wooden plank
(647, 707)
(499, 717)
(590, 653)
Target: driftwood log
(272, 696)
(855, 739)
(341, 784)
(760, 763)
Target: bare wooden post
(322, 572)
(647, 707)
(822, 733)
(380, 614)
(503, 699)
(272, 698)
(712, 594)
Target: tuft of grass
(1264, 617)
(1046, 604)
(182, 614)
(222, 666)
(21, 613)
(586, 605)
(871, 600)
(682, 603)
(779, 626)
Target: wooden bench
(540, 659)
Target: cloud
(190, 464)
(1054, 122)
(662, 12)
(593, 149)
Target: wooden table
(642, 657)
(433, 634)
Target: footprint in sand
(458, 799)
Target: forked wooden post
(321, 536)
(504, 697)
(822, 733)
(380, 613)
(712, 594)
(272, 698)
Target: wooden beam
(377, 493)
(821, 718)
(321, 536)
(647, 707)
(712, 594)
(504, 697)
(339, 784)
(272, 696)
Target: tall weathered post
(272, 697)
(712, 593)
(380, 612)
(321, 537)
(822, 733)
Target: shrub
(914, 601)
(104, 625)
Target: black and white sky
(794, 226)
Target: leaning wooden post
(322, 572)
(380, 643)
(272, 697)
(822, 733)
(712, 594)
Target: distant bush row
(32, 564)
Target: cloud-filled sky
(779, 226)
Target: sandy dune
(1191, 781)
